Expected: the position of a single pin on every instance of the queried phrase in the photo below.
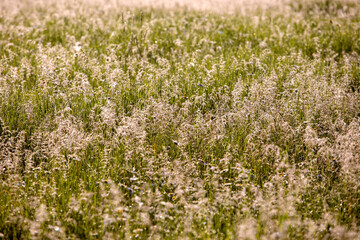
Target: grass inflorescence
(162, 123)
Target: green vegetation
(125, 123)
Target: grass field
(183, 121)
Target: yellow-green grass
(159, 123)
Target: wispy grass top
(189, 119)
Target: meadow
(121, 120)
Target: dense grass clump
(163, 123)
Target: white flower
(77, 47)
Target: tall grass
(163, 123)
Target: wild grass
(163, 123)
